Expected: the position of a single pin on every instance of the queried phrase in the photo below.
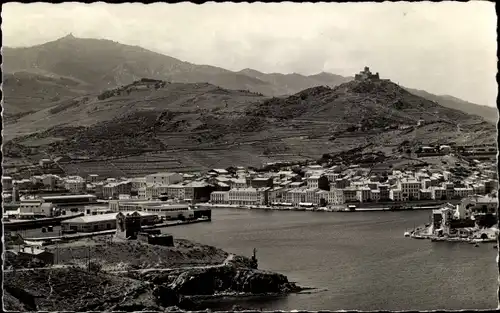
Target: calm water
(361, 260)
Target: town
(187, 196)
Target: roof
(219, 171)
(32, 250)
(67, 197)
(101, 217)
(162, 174)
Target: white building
(363, 194)
(463, 192)
(220, 197)
(31, 208)
(116, 188)
(243, 196)
(164, 178)
(410, 189)
(396, 195)
(75, 184)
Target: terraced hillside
(152, 125)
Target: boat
(407, 234)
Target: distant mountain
(488, 113)
(105, 64)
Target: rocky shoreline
(176, 283)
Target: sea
(354, 260)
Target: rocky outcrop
(227, 279)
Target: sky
(443, 48)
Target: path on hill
(229, 258)
(147, 270)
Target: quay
(112, 231)
(340, 208)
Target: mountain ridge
(152, 125)
(106, 64)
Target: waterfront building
(277, 195)
(243, 196)
(396, 195)
(164, 178)
(100, 222)
(197, 191)
(363, 194)
(375, 195)
(219, 197)
(384, 192)
(350, 195)
(410, 189)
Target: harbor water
(358, 261)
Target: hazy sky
(443, 48)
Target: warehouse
(100, 222)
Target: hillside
(488, 113)
(152, 125)
(102, 64)
(28, 92)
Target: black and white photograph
(249, 156)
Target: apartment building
(375, 195)
(425, 194)
(176, 191)
(396, 195)
(410, 189)
(438, 193)
(164, 178)
(75, 184)
(243, 196)
(295, 196)
(463, 192)
(350, 195)
(219, 197)
(363, 194)
(114, 189)
(277, 195)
